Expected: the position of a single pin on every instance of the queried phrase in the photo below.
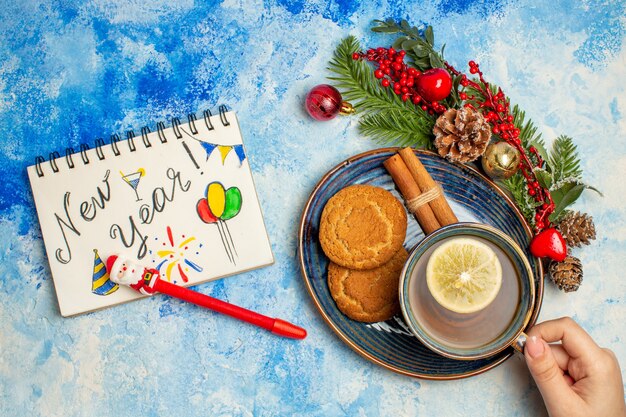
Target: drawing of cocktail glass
(132, 179)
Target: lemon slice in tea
(464, 275)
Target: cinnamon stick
(410, 191)
(425, 182)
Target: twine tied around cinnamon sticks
(423, 196)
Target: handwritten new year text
(130, 235)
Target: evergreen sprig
(398, 128)
(562, 176)
(357, 84)
(389, 120)
(565, 176)
(516, 185)
(563, 160)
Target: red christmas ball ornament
(324, 102)
(434, 84)
(549, 243)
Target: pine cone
(568, 274)
(461, 135)
(577, 229)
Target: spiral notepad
(179, 199)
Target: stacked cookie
(362, 230)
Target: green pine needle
(380, 107)
(356, 80)
(563, 160)
(516, 185)
(528, 131)
(399, 128)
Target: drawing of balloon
(218, 206)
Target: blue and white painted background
(71, 71)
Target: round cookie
(368, 295)
(362, 227)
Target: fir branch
(516, 185)
(563, 159)
(355, 79)
(397, 127)
(528, 131)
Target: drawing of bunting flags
(101, 284)
(240, 153)
(208, 148)
(224, 151)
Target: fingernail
(534, 347)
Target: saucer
(390, 344)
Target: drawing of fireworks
(174, 257)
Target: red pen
(148, 281)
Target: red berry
(385, 82)
(402, 53)
(463, 96)
(379, 74)
(473, 70)
(356, 56)
(472, 64)
(540, 225)
(405, 97)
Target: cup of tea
(461, 333)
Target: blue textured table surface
(72, 71)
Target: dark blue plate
(473, 197)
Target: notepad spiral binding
(130, 138)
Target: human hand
(575, 377)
